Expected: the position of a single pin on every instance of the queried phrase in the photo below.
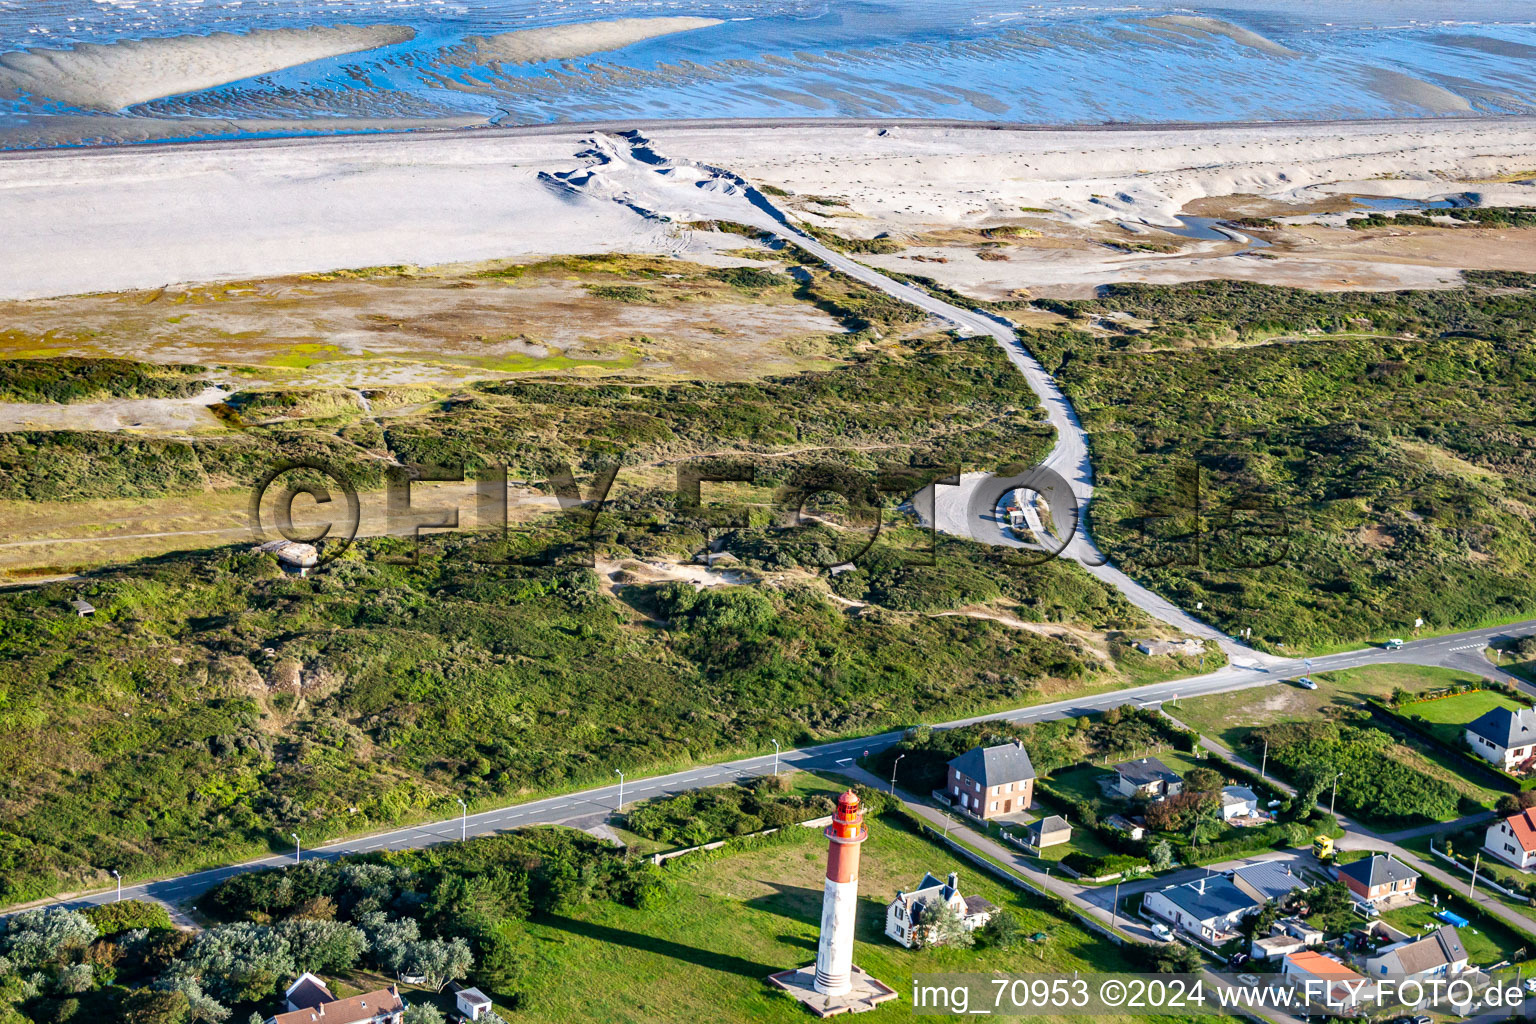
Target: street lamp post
(621, 788)
(1114, 908)
(1264, 764)
(463, 820)
(296, 850)
(1335, 796)
(893, 772)
(119, 885)
(775, 756)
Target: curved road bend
(591, 807)
(628, 169)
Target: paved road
(592, 806)
(633, 173)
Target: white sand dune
(562, 42)
(117, 75)
(1190, 24)
(138, 218)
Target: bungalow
(1147, 776)
(1513, 840)
(1504, 737)
(904, 914)
(310, 1002)
(992, 781)
(1379, 879)
(1050, 831)
(1288, 935)
(1239, 802)
(1208, 907)
(1268, 880)
(1438, 953)
(1322, 979)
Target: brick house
(992, 781)
(1379, 879)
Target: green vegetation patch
(1320, 467)
(70, 379)
(213, 705)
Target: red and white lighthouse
(834, 956)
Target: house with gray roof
(1268, 880)
(1504, 737)
(1239, 802)
(1049, 831)
(1380, 880)
(989, 782)
(1209, 908)
(1438, 953)
(1148, 777)
(904, 916)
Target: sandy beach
(1081, 201)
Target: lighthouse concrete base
(866, 994)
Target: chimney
(954, 880)
(1018, 743)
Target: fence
(1490, 883)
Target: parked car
(1165, 933)
(1307, 683)
(1394, 644)
(1530, 985)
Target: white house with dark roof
(1436, 954)
(904, 914)
(992, 781)
(1504, 737)
(1207, 907)
(1147, 776)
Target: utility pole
(119, 885)
(1335, 791)
(1472, 886)
(775, 756)
(893, 772)
(1264, 764)
(463, 820)
(296, 849)
(1114, 908)
(621, 788)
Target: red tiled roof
(1523, 825)
(1320, 966)
(353, 1010)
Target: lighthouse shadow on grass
(663, 947)
(802, 903)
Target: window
(994, 805)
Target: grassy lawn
(729, 922)
(1486, 939)
(1081, 782)
(1229, 717)
(1448, 716)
